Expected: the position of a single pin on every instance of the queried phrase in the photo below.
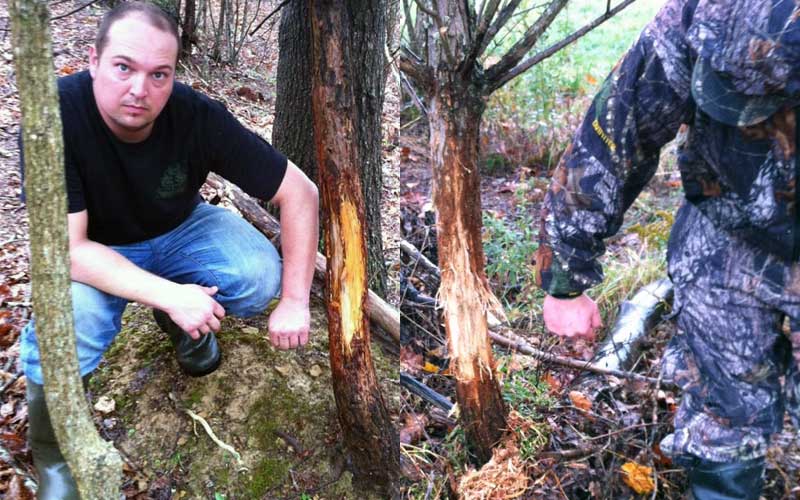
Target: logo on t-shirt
(173, 181)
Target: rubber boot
(726, 481)
(195, 357)
(55, 478)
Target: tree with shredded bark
(443, 54)
(367, 429)
(94, 463)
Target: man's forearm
(299, 236)
(102, 267)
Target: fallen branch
(379, 311)
(524, 348)
(420, 260)
(636, 317)
(299, 449)
(426, 393)
(11, 382)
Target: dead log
(621, 347)
(636, 317)
(380, 312)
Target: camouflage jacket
(741, 178)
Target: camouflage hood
(754, 42)
(749, 58)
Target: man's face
(133, 76)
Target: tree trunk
(188, 30)
(367, 49)
(94, 463)
(366, 427)
(455, 113)
(293, 131)
(219, 33)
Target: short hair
(150, 13)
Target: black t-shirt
(137, 191)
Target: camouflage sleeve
(614, 154)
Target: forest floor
(574, 433)
(276, 408)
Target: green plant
(496, 164)
(624, 275)
(532, 118)
(455, 448)
(526, 392)
(509, 248)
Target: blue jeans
(213, 247)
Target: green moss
(269, 473)
(195, 396)
(278, 409)
(139, 337)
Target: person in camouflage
(728, 73)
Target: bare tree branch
(520, 15)
(442, 28)
(505, 14)
(424, 8)
(468, 15)
(529, 39)
(409, 24)
(62, 16)
(502, 79)
(410, 89)
(413, 67)
(274, 11)
(483, 26)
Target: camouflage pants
(738, 368)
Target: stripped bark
(94, 463)
(368, 433)
(464, 293)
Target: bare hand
(572, 318)
(289, 324)
(195, 311)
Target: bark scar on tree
(354, 275)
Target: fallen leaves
(315, 371)
(17, 490)
(413, 428)
(410, 362)
(580, 401)
(638, 477)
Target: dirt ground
(275, 408)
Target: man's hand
(194, 310)
(572, 318)
(289, 324)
